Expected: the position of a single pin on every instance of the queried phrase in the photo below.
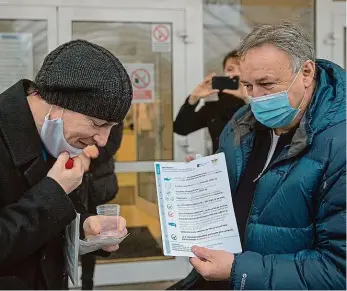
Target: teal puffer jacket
(296, 232)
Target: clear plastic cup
(108, 209)
(109, 227)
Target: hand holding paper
(195, 206)
(212, 265)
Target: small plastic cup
(109, 227)
(108, 209)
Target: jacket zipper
(259, 176)
(269, 164)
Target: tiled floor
(137, 217)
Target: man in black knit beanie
(79, 94)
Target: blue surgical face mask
(52, 136)
(275, 111)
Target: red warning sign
(161, 33)
(142, 79)
(161, 38)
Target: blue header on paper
(162, 210)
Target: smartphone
(224, 82)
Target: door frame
(49, 14)
(340, 31)
(327, 10)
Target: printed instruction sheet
(195, 206)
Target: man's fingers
(192, 158)
(121, 223)
(203, 253)
(112, 223)
(189, 159)
(92, 226)
(62, 158)
(123, 233)
(199, 265)
(91, 151)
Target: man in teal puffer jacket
(286, 158)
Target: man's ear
(308, 71)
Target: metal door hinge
(331, 39)
(184, 37)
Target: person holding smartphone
(213, 115)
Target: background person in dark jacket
(79, 93)
(286, 159)
(99, 186)
(214, 114)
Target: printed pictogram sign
(161, 33)
(161, 38)
(142, 79)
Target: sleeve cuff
(248, 272)
(190, 105)
(233, 273)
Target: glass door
(26, 36)
(340, 34)
(331, 33)
(148, 42)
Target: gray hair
(288, 36)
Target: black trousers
(88, 261)
(88, 267)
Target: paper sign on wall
(16, 58)
(142, 79)
(161, 38)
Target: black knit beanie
(86, 78)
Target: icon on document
(171, 214)
(201, 165)
(172, 224)
(174, 237)
(169, 206)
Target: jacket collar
(20, 133)
(244, 123)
